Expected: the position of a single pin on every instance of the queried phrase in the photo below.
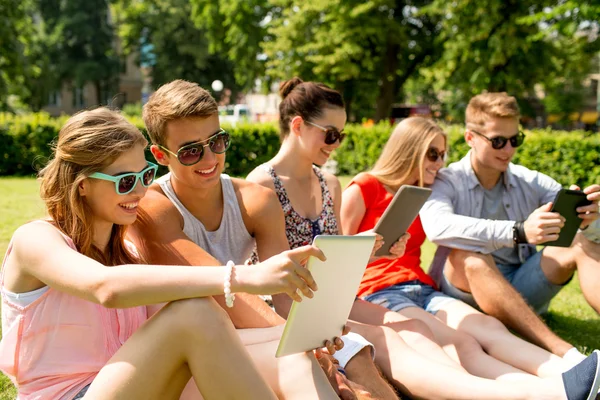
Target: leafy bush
(568, 157)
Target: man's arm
(158, 236)
(264, 217)
(445, 228)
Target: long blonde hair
(87, 143)
(404, 152)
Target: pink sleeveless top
(55, 346)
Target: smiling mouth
(129, 206)
(206, 171)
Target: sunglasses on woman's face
(125, 183)
(433, 155)
(498, 142)
(192, 153)
(332, 135)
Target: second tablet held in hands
(399, 215)
(566, 203)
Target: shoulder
(365, 180)
(452, 175)
(533, 177)
(259, 205)
(333, 183)
(35, 231)
(365, 185)
(524, 173)
(262, 177)
(35, 238)
(155, 207)
(254, 196)
(456, 169)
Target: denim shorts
(410, 294)
(528, 278)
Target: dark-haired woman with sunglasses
(72, 326)
(413, 155)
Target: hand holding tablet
(324, 316)
(399, 215)
(566, 203)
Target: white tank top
(231, 241)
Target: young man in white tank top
(198, 216)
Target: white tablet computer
(323, 317)
(399, 215)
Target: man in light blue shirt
(488, 215)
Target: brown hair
(494, 105)
(405, 151)
(175, 100)
(87, 143)
(305, 99)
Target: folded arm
(446, 228)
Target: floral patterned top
(299, 230)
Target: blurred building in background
(71, 99)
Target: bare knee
(463, 266)
(491, 325)
(493, 328)
(412, 328)
(200, 317)
(466, 346)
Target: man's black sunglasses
(498, 142)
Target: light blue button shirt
(452, 217)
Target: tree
(83, 46)
(235, 30)
(367, 50)
(166, 39)
(17, 36)
(510, 45)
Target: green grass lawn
(569, 314)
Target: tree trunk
(387, 89)
(348, 93)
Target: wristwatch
(519, 233)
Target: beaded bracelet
(229, 297)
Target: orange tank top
(384, 273)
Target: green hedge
(569, 157)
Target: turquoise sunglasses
(125, 183)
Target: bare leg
(422, 378)
(297, 376)
(188, 338)
(415, 333)
(558, 265)
(499, 343)
(362, 370)
(477, 273)
(466, 350)
(292, 377)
